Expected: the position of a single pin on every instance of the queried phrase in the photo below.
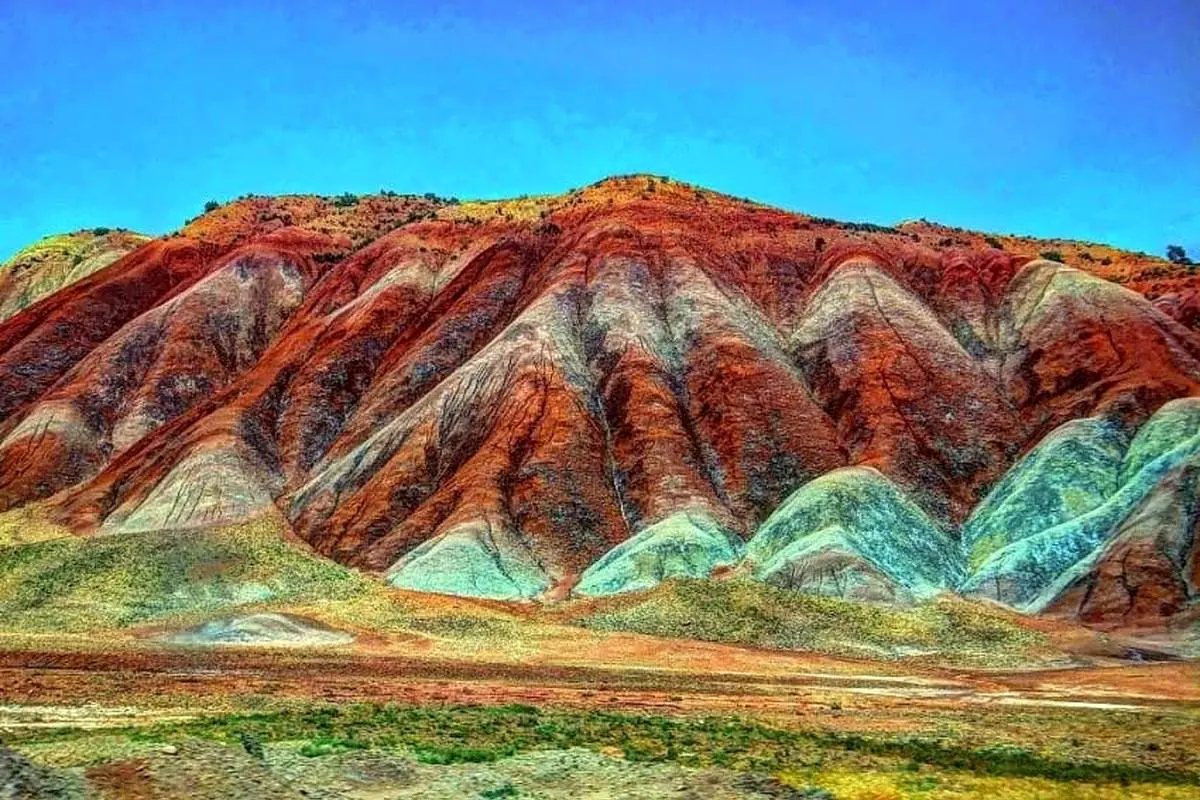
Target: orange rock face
(540, 379)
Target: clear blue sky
(1078, 118)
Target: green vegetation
(748, 612)
(1053, 255)
(72, 584)
(867, 227)
(327, 745)
(55, 262)
(858, 227)
(211, 205)
(457, 734)
(992, 241)
(1177, 255)
(345, 200)
(251, 745)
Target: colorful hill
(58, 261)
(633, 382)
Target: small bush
(251, 744)
(345, 200)
(328, 745)
(100, 231)
(1053, 255)
(1177, 255)
(820, 243)
(866, 227)
(211, 205)
(992, 241)
(456, 754)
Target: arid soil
(797, 685)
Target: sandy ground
(184, 681)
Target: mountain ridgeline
(588, 394)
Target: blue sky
(1076, 118)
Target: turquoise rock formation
(1030, 571)
(1144, 571)
(1070, 472)
(474, 560)
(1173, 423)
(852, 533)
(690, 544)
(276, 630)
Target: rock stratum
(591, 393)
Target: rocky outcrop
(260, 630)
(908, 399)
(1076, 345)
(1072, 471)
(1147, 570)
(152, 370)
(473, 560)
(1031, 549)
(56, 262)
(852, 533)
(688, 544)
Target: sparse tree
(1177, 255)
